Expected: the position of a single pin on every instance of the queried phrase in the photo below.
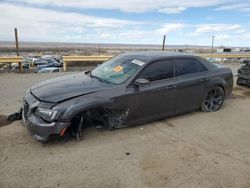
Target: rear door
(190, 83)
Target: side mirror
(141, 82)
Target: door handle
(203, 79)
(165, 88)
(170, 87)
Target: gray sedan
(129, 89)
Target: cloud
(172, 10)
(223, 36)
(170, 27)
(211, 28)
(42, 24)
(26, 14)
(134, 34)
(136, 6)
(246, 36)
(241, 31)
(242, 7)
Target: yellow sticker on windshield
(118, 68)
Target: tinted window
(158, 70)
(185, 66)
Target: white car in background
(49, 70)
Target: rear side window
(158, 70)
(184, 66)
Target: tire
(242, 81)
(213, 99)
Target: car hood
(66, 87)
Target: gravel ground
(192, 150)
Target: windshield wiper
(98, 78)
(101, 80)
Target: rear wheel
(213, 99)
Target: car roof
(153, 55)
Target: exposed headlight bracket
(46, 114)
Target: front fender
(69, 109)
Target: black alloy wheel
(213, 99)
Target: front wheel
(213, 99)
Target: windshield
(117, 70)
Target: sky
(184, 22)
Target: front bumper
(40, 129)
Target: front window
(117, 70)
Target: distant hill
(11, 44)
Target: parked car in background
(46, 61)
(25, 66)
(214, 60)
(52, 63)
(5, 66)
(58, 59)
(49, 70)
(129, 89)
(40, 62)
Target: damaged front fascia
(110, 119)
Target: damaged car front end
(40, 119)
(72, 103)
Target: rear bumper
(41, 130)
(228, 87)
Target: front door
(156, 99)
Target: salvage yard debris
(244, 74)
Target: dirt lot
(192, 150)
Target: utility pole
(99, 49)
(17, 44)
(17, 50)
(163, 43)
(212, 47)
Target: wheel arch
(217, 82)
(222, 87)
(77, 107)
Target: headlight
(46, 114)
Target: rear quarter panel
(222, 77)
